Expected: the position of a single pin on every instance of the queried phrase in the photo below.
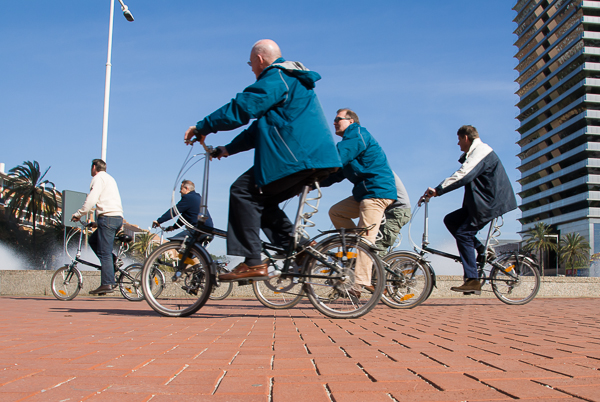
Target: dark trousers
(102, 241)
(458, 223)
(251, 209)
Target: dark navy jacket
(488, 192)
(189, 208)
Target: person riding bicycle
(292, 142)
(366, 166)
(395, 217)
(488, 195)
(104, 194)
(187, 209)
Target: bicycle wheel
(222, 291)
(185, 291)
(278, 292)
(66, 283)
(329, 286)
(516, 282)
(130, 283)
(408, 280)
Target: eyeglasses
(338, 119)
(249, 63)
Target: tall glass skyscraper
(559, 113)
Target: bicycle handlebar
(213, 152)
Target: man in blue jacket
(366, 166)
(488, 195)
(187, 209)
(291, 142)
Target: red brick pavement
(109, 349)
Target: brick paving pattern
(109, 349)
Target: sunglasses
(338, 119)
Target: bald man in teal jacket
(291, 142)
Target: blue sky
(413, 71)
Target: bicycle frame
(123, 247)
(480, 265)
(301, 221)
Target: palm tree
(30, 194)
(144, 243)
(574, 250)
(538, 239)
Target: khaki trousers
(369, 211)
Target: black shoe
(103, 290)
(191, 290)
(301, 258)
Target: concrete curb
(37, 283)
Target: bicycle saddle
(124, 238)
(318, 175)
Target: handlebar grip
(216, 152)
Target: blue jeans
(458, 224)
(102, 242)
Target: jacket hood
(297, 70)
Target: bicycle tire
(184, 294)
(517, 291)
(62, 284)
(278, 292)
(409, 284)
(331, 296)
(131, 288)
(222, 291)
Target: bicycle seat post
(489, 236)
(426, 225)
(295, 233)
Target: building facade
(558, 52)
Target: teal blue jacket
(365, 165)
(289, 133)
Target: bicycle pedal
(244, 282)
(474, 292)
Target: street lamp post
(129, 18)
(555, 236)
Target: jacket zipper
(286, 145)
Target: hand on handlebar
(428, 194)
(220, 152)
(155, 224)
(191, 136)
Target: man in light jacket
(104, 194)
(291, 143)
(488, 195)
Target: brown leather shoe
(371, 289)
(470, 286)
(242, 271)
